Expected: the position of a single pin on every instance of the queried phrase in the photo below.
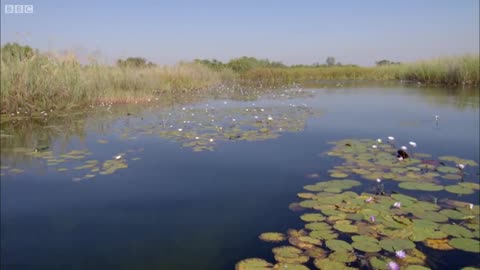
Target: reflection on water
(200, 177)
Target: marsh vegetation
(34, 82)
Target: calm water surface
(179, 205)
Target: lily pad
(393, 245)
(338, 245)
(272, 237)
(420, 186)
(465, 244)
(253, 264)
(459, 189)
(312, 217)
(366, 246)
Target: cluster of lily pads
(201, 127)
(345, 229)
(373, 159)
(198, 127)
(77, 160)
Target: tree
(137, 62)
(330, 61)
(385, 62)
(15, 51)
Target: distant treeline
(35, 81)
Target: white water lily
(180, 129)
(390, 138)
(413, 144)
(404, 148)
(379, 180)
(379, 140)
(374, 146)
(460, 166)
(211, 140)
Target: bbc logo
(18, 9)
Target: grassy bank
(42, 83)
(463, 70)
(33, 82)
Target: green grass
(38, 82)
(45, 82)
(446, 71)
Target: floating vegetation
(377, 228)
(272, 237)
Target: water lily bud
(400, 254)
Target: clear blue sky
(165, 32)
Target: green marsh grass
(33, 82)
(43, 82)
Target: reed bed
(43, 82)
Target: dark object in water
(128, 114)
(347, 144)
(41, 148)
(401, 153)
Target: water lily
(404, 148)
(397, 204)
(390, 138)
(270, 118)
(460, 166)
(374, 146)
(413, 144)
(379, 140)
(379, 180)
(369, 199)
(211, 140)
(400, 254)
(180, 129)
(196, 138)
(372, 219)
(118, 157)
(393, 266)
(470, 206)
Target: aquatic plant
(382, 230)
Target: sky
(294, 32)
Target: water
(175, 208)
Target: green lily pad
(379, 262)
(416, 267)
(289, 266)
(458, 160)
(317, 226)
(324, 234)
(420, 186)
(396, 244)
(272, 237)
(342, 256)
(338, 245)
(453, 214)
(327, 264)
(456, 231)
(366, 246)
(338, 175)
(465, 244)
(312, 217)
(253, 264)
(459, 189)
(346, 228)
(446, 169)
